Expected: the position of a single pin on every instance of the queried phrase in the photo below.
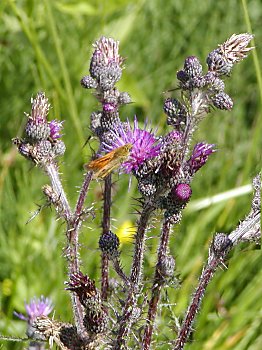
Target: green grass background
(46, 46)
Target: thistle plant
(164, 167)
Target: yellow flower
(126, 232)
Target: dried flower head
(37, 127)
(235, 48)
(105, 66)
(40, 108)
(108, 49)
(232, 51)
(83, 286)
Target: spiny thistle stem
(186, 328)
(52, 172)
(248, 230)
(135, 278)
(105, 229)
(119, 271)
(136, 271)
(73, 225)
(82, 195)
(157, 284)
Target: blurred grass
(46, 46)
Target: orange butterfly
(103, 166)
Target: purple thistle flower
(55, 129)
(182, 192)
(143, 141)
(109, 107)
(200, 155)
(37, 307)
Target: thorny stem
(82, 195)
(105, 229)
(119, 271)
(135, 278)
(74, 222)
(104, 274)
(195, 104)
(205, 278)
(72, 235)
(246, 227)
(157, 285)
(51, 170)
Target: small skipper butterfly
(103, 166)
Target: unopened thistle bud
(217, 85)
(182, 76)
(176, 112)
(96, 322)
(146, 187)
(58, 148)
(166, 266)
(220, 245)
(43, 149)
(88, 82)
(222, 101)
(217, 63)
(192, 67)
(182, 192)
(109, 244)
(124, 98)
(109, 118)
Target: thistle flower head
(40, 108)
(182, 192)
(109, 107)
(171, 138)
(232, 51)
(55, 129)
(192, 67)
(107, 49)
(109, 244)
(105, 65)
(83, 286)
(143, 141)
(200, 155)
(37, 307)
(235, 48)
(37, 127)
